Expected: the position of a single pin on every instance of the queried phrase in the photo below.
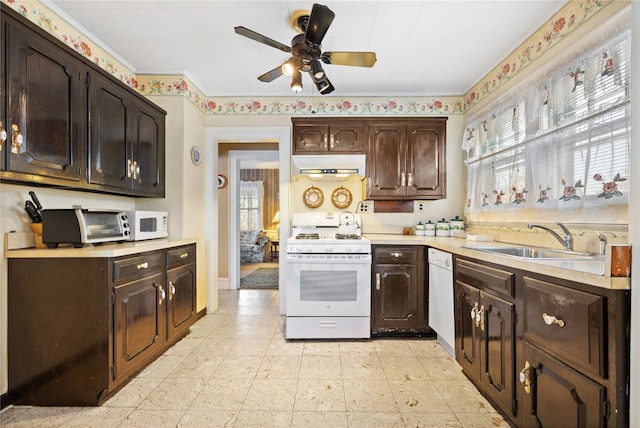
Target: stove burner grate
(308, 236)
(349, 236)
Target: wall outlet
(365, 207)
(420, 206)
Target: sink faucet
(567, 241)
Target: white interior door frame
(214, 136)
(236, 157)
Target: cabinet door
(310, 138)
(386, 161)
(45, 104)
(346, 138)
(148, 150)
(559, 395)
(110, 157)
(426, 165)
(467, 333)
(395, 296)
(138, 323)
(497, 344)
(181, 283)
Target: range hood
(329, 167)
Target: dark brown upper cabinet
(406, 158)
(70, 124)
(44, 108)
(328, 136)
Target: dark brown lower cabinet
(560, 396)
(398, 294)
(139, 328)
(80, 328)
(181, 293)
(485, 344)
(546, 352)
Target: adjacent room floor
(235, 369)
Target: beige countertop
(104, 250)
(591, 272)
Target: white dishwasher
(441, 297)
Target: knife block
(37, 235)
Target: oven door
(328, 285)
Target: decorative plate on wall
(196, 155)
(341, 198)
(313, 197)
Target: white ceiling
(424, 48)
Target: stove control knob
(329, 249)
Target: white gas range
(328, 277)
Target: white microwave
(148, 224)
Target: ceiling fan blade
(357, 59)
(243, 31)
(271, 75)
(319, 21)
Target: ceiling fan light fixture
(324, 86)
(317, 72)
(296, 82)
(289, 67)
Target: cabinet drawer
(396, 255)
(130, 268)
(181, 256)
(566, 323)
(484, 277)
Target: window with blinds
(564, 144)
(250, 210)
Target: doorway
(258, 216)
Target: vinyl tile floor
(235, 369)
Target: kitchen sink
(537, 253)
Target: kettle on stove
(346, 223)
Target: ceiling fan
(306, 50)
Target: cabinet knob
(551, 319)
(332, 141)
(325, 139)
(403, 179)
(3, 136)
(410, 181)
(396, 255)
(474, 311)
(525, 377)
(144, 265)
(163, 295)
(129, 168)
(16, 139)
(480, 318)
(172, 290)
(377, 281)
(184, 255)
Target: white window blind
(251, 194)
(566, 144)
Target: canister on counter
(443, 228)
(456, 224)
(420, 229)
(429, 229)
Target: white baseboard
(223, 284)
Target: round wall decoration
(341, 198)
(196, 155)
(222, 181)
(313, 197)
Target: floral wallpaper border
(564, 22)
(570, 17)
